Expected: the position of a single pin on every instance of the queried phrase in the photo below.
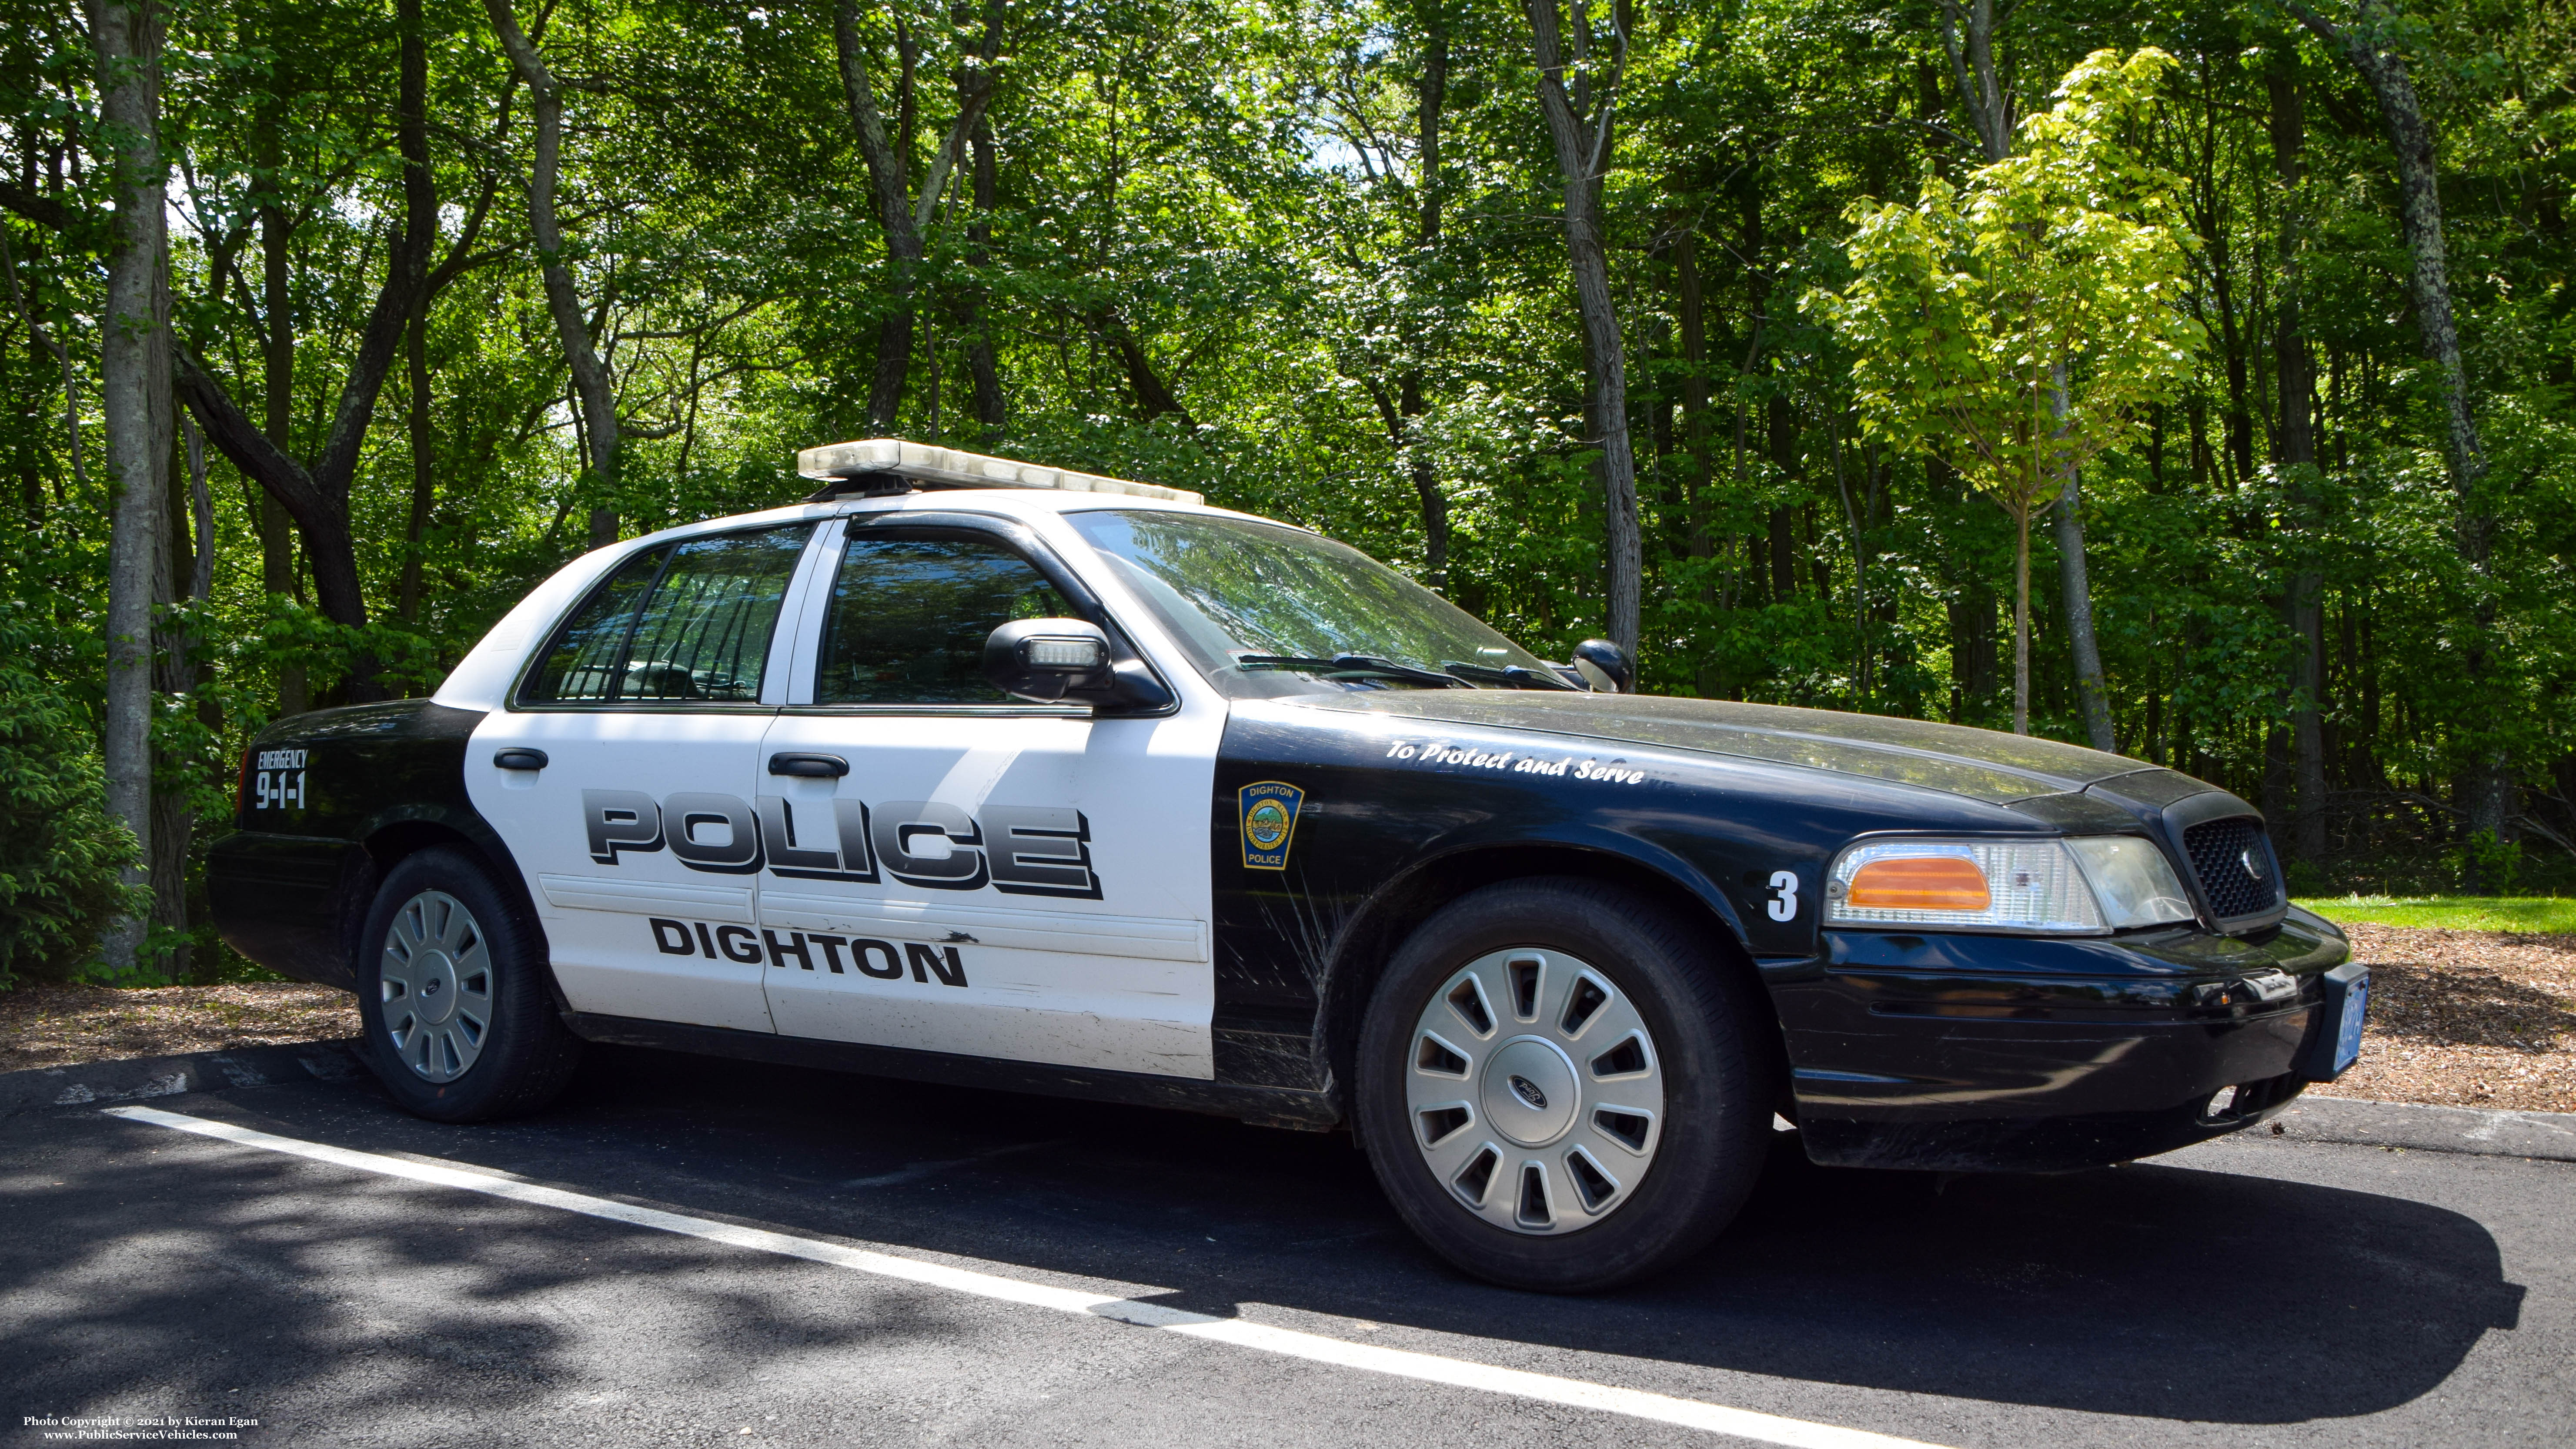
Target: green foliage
(1228, 200)
(61, 855)
(2494, 864)
(1964, 307)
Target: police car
(979, 772)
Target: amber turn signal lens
(1920, 883)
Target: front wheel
(452, 993)
(1559, 1088)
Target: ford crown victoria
(981, 772)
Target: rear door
(958, 871)
(636, 736)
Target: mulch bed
(2466, 1019)
(47, 1025)
(2457, 1018)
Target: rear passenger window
(686, 622)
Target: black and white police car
(981, 772)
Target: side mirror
(1605, 667)
(1045, 659)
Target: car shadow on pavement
(2165, 1291)
(2176, 1292)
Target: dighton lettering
(746, 950)
(863, 954)
(673, 937)
(831, 950)
(794, 946)
(951, 972)
(704, 943)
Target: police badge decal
(1269, 815)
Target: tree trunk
(1781, 427)
(2295, 366)
(992, 405)
(277, 361)
(590, 376)
(134, 370)
(2021, 621)
(1582, 145)
(1695, 407)
(1430, 98)
(424, 487)
(2486, 782)
(180, 580)
(2075, 583)
(1154, 397)
(1972, 68)
(2068, 521)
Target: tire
(452, 993)
(1621, 1084)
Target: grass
(2552, 914)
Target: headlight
(2132, 881)
(2087, 886)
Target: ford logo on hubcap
(1527, 1091)
(429, 987)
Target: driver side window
(907, 619)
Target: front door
(957, 871)
(635, 740)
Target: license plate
(2356, 1002)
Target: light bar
(926, 466)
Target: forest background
(333, 325)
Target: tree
(905, 218)
(134, 361)
(317, 495)
(1968, 40)
(2052, 276)
(590, 379)
(1580, 122)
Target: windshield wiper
(1351, 664)
(1515, 676)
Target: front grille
(2234, 866)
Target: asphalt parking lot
(689, 1251)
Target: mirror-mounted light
(1045, 659)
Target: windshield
(1264, 609)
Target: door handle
(520, 759)
(810, 767)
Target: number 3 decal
(1784, 906)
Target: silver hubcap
(1534, 1091)
(437, 985)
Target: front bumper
(1960, 1052)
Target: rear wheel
(452, 993)
(1559, 1089)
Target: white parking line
(1401, 1363)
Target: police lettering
(1034, 850)
(805, 951)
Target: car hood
(1979, 764)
